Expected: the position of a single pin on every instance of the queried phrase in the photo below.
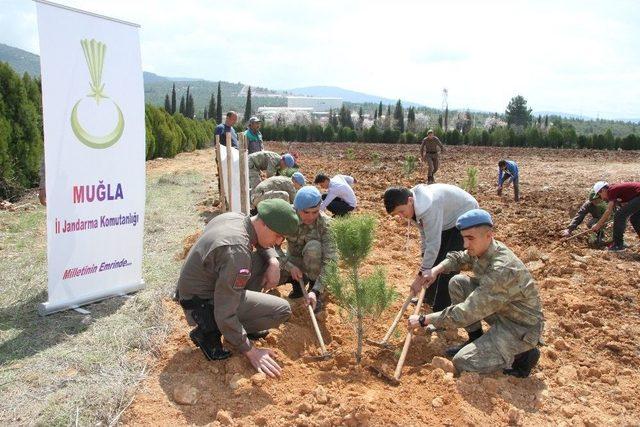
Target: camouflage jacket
(505, 289)
(265, 161)
(319, 231)
(275, 183)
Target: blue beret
(473, 218)
(299, 178)
(289, 160)
(307, 197)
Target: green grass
(69, 368)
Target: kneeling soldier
(269, 162)
(502, 292)
(277, 187)
(310, 249)
(220, 282)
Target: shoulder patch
(242, 277)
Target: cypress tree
(247, 106)
(205, 115)
(380, 109)
(173, 100)
(182, 106)
(167, 104)
(212, 107)
(398, 115)
(187, 107)
(219, 105)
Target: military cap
(299, 178)
(307, 197)
(279, 216)
(474, 218)
(289, 161)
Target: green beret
(279, 216)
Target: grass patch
(69, 368)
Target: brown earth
(589, 367)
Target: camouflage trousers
(496, 349)
(433, 164)
(310, 263)
(273, 194)
(254, 178)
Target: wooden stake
(243, 165)
(230, 171)
(221, 187)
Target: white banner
(236, 206)
(94, 133)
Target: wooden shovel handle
(313, 318)
(394, 325)
(407, 341)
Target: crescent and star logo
(94, 52)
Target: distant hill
(20, 60)
(348, 95)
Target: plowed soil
(589, 370)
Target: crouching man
(310, 249)
(220, 282)
(502, 292)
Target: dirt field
(589, 367)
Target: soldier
(220, 282)
(434, 209)
(254, 137)
(277, 187)
(310, 250)
(269, 162)
(430, 154)
(627, 194)
(508, 173)
(501, 292)
(594, 206)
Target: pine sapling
(409, 164)
(360, 296)
(471, 183)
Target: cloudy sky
(580, 57)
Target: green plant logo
(94, 52)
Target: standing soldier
(220, 282)
(430, 154)
(501, 292)
(508, 173)
(254, 137)
(277, 187)
(594, 206)
(311, 249)
(269, 162)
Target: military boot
(254, 336)
(296, 291)
(523, 363)
(473, 335)
(210, 344)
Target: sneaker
(523, 363)
(210, 344)
(319, 306)
(474, 335)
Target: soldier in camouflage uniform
(502, 292)
(269, 162)
(277, 187)
(430, 148)
(311, 249)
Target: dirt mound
(589, 369)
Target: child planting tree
(360, 296)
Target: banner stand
(47, 308)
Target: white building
(317, 104)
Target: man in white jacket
(434, 209)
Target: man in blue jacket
(507, 174)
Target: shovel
(385, 341)
(325, 354)
(395, 379)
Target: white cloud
(574, 56)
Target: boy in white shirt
(340, 198)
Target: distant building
(317, 104)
